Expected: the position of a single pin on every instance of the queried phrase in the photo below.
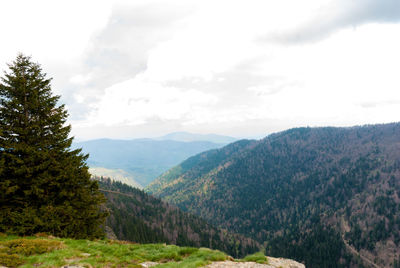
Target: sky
(129, 69)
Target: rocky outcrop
(272, 263)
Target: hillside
(140, 161)
(326, 196)
(138, 217)
(49, 251)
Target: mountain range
(138, 162)
(329, 197)
(188, 137)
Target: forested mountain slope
(314, 194)
(139, 217)
(183, 175)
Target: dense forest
(327, 196)
(139, 217)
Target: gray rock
(148, 264)
(272, 263)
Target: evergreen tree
(44, 185)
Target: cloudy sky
(128, 69)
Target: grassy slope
(56, 252)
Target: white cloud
(335, 75)
(50, 30)
(212, 66)
(138, 100)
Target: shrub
(28, 247)
(10, 260)
(42, 235)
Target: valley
(138, 162)
(139, 217)
(291, 190)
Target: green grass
(56, 252)
(258, 257)
(43, 251)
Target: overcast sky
(128, 69)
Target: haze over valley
(138, 162)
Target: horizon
(230, 136)
(132, 69)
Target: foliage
(28, 247)
(396, 263)
(299, 191)
(139, 217)
(195, 166)
(13, 251)
(44, 185)
(317, 247)
(10, 260)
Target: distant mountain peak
(189, 137)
